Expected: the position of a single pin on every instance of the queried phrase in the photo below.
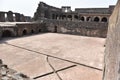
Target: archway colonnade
(81, 18)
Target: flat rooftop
(43, 56)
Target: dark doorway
(82, 19)
(39, 30)
(96, 19)
(32, 31)
(6, 33)
(55, 29)
(24, 32)
(104, 19)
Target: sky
(28, 7)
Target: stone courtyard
(53, 56)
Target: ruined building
(82, 21)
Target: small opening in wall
(55, 29)
(32, 31)
(24, 32)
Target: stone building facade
(83, 21)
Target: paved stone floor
(52, 56)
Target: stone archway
(82, 18)
(6, 33)
(39, 30)
(24, 32)
(104, 19)
(96, 19)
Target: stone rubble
(9, 74)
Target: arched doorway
(39, 30)
(104, 19)
(55, 29)
(6, 33)
(24, 32)
(32, 31)
(96, 19)
(82, 19)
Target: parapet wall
(95, 10)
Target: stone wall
(93, 29)
(112, 52)
(30, 28)
(21, 28)
(45, 11)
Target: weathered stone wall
(22, 28)
(112, 52)
(78, 28)
(30, 28)
(45, 11)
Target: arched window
(82, 19)
(24, 32)
(104, 19)
(70, 17)
(53, 16)
(96, 19)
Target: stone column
(2, 17)
(17, 17)
(10, 16)
(22, 18)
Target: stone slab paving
(86, 50)
(49, 77)
(80, 73)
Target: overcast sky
(28, 7)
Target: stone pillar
(10, 16)
(73, 18)
(22, 18)
(2, 17)
(112, 52)
(17, 17)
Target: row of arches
(9, 33)
(80, 18)
(25, 31)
